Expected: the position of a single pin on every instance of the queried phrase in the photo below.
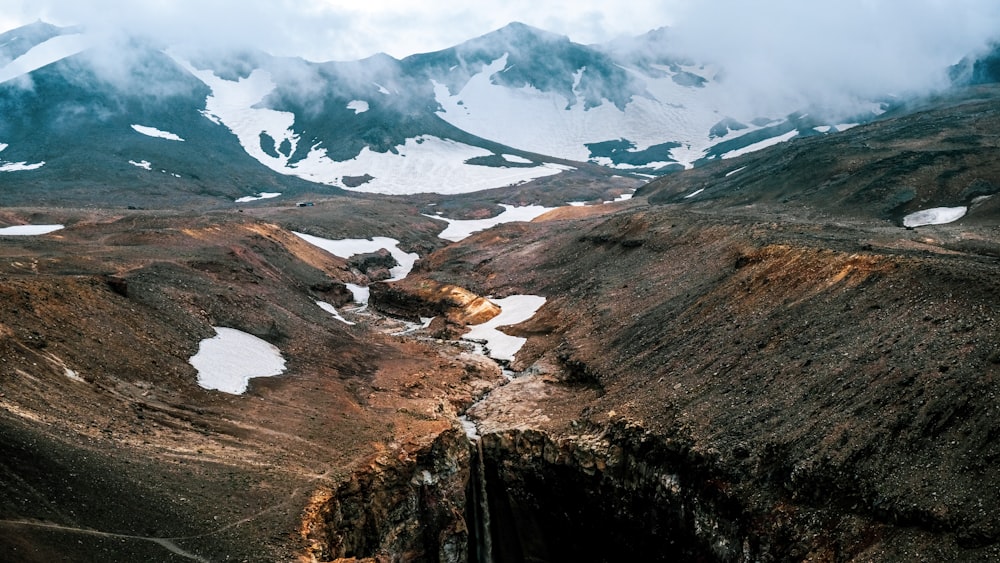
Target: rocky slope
(788, 382)
(732, 378)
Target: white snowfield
(228, 360)
(154, 132)
(345, 248)
(145, 164)
(30, 230)
(424, 164)
(673, 113)
(513, 310)
(46, 53)
(935, 216)
(459, 229)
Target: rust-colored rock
(429, 298)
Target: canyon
(789, 355)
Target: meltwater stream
(477, 507)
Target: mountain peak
(516, 32)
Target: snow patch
(359, 106)
(424, 164)
(459, 229)
(228, 360)
(142, 164)
(935, 216)
(154, 132)
(259, 196)
(562, 127)
(694, 193)
(516, 159)
(360, 292)
(30, 230)
(20, 166)
(623, 197)
(333, 311)
(761, 145)
(731, 172)
(46, 53)
(513, 310)
(345, 248)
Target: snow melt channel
(228, 360)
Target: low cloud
(776, 55)
(787, 54)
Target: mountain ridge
(380, 124)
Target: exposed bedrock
(402, 507)
(428, 298)
(589, 498)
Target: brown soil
(112, 452)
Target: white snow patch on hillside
(20, 166)
(540, 121)
(425, 164)
(232, 103)
(333, 311)
(459, 229)
(345, 248)
(3, 146)
(228, 360)
(846, 126)
(46, 53)
(513, 310)
(259, 196)
(142, 164)
(30, 230)
(761, 145)
(738, 170)
(359, 106)
(935, 216)
(694, 193)
(516, 159)
(154, 132)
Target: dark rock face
(399, 509)
(584, 498)
(374, 265)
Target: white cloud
(342, 30)
(779, 53)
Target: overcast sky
(789, 48)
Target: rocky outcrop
(592, 497)
(429, 298)
(400, 508)
(373, 265)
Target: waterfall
(477, 503)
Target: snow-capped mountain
(507, 108)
